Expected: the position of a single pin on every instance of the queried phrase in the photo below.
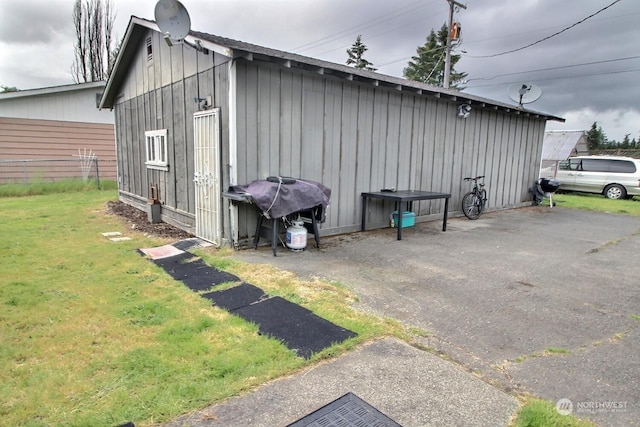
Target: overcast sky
(588, 73)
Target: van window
(622, 166)
(598, 165)
(595, 165)
(569, 165)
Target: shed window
(156, 147)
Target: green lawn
(541, 413)
(597, 202)
(95, 334)
(62, 186)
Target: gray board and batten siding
(282, 114)
(355, 138)
(158, 93)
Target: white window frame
(156, 148)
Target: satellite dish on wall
(174, 22)
(173, 19)
(524, 93)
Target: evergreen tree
(356, 53)
(596, 137)
(428, 65)
(626, 142)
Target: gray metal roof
(238, 49)
(53, 89)
(558, 145)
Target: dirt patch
(138, 221)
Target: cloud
(586, 73)
(36, 22)
(616, 123)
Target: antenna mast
(447, 62)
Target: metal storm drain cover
(346, 411)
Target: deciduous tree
(93, 21)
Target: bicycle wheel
(471, 205)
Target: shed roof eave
(118, 71)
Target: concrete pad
(192, 243)
(411, 386)
(162, 252)
(498, 292)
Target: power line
(604, 73)
(352, 31)
(367, 24)
(556, 68)
(435, 66)
(421, 20)
(537, 30)
(548, 37)
(411, 57)
(474, 41)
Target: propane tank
(297, 236)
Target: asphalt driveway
(534, 300)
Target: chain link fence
(29, 171)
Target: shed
(252, 112)
(559, 145)
(54, 123)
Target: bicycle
(474, 201)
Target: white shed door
(206, 176)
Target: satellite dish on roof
(173, 19)
(524, 93)
(174, 22)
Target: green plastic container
(408, 219)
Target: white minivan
(615, 177)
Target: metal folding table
(404, 196)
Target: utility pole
(447, 61)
